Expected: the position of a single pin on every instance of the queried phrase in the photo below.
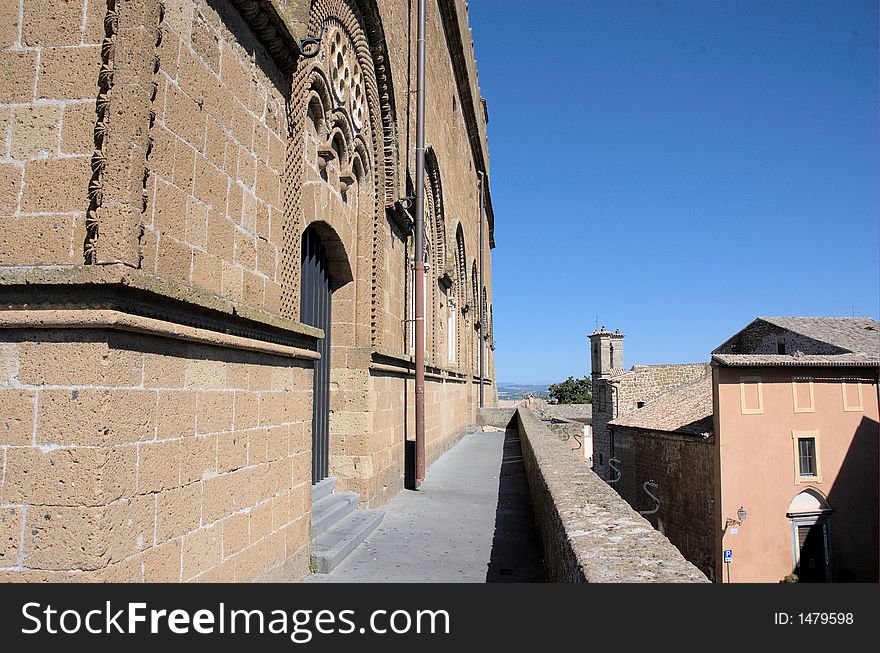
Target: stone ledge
(116, 320)
(589, 533)
(120, 276)
(385, 359)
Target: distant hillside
(520, 391)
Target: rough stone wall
(47, 122)
(571, 434)
(589, 534)
(446, 134)
(158, 151)
(130, 457)
(762, 338)
(641, 384)
(681, 468)
(393, 423)
(216, 215)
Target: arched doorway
(315, 310)
(809, 513)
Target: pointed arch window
(475, 293)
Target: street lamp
(741, 514)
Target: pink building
(796, 450)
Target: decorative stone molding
(355, 62)
(127, 87)
(401, 217)
(136, 292)
(279, 25)
(382, 360)
(438, 215)
(118, 321)
(454, 26)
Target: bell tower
(606, 353)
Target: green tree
(573, 391)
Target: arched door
(809, 513)
(315, 311)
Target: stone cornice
(390, 361)
(280, 25)
(136, 292)
(119, 321)
(471, 102)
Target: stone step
(331, 509)
(334, 544)
(323, 488)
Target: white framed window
(807, 460)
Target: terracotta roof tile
(686, 409)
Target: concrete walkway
(470, 522)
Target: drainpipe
(419, 322)
(480, 297)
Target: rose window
(346, 76)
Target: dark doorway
(315, 311)
(813, 544)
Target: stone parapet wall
(498, 417)
(589, 534)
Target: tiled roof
(804, 360)
(834, 341)
(570, 411)
(854, 334)
(687, 409)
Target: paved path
(470, 522)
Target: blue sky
(676, 168)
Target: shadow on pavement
(516, 546)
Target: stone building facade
(797, 428)
(773, 456)
(162, 163)
(665, 453)
(617, 392)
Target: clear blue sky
(676, 168)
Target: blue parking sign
(728, 555)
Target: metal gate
(315, 311)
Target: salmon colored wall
(757, 470)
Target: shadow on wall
(516, 546)
(245, 37)
(855, 501)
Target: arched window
(460, 289)
(475, 293)
(349, 126)
(461, 266)
(491, 325)
(434, 194)
(485, 312)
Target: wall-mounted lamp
(741, 517)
